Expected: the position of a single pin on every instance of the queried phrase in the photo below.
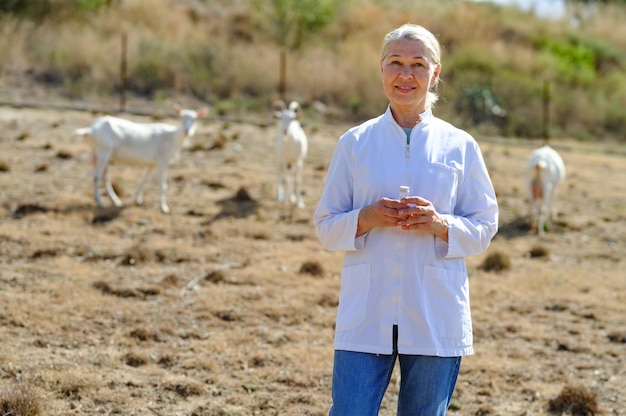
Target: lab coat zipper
(407, 155)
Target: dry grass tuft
(142, 334)
(539, 251)
(135, 360)
(213, 184)
(62, 154)
(135, 256)
(28, 209)
(46, 252)
(314, 268)
(19, 400)
(617, 337)
(215, 276)
(170, 280)
(496, 262)
(243, 195)
(185, 388)
(220, 142)
(43, 167)
(575, 401)
(122, 292)
(23, 136)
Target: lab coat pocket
(439, 186)
(446, 294)
(355, 284)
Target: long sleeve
(475, 219)
(335, 217)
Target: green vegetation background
(227, 53)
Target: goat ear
(203, 112)
(177, 108)
(279, 105)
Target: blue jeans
(361, 379)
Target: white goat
(291, 149)
(544, 172)
(151, 145)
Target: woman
(404, 288)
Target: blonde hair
(421, 34)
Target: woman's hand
(421, 215)
(382, 213)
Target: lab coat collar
(425, 118)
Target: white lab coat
(408, 278)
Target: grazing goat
(151, 145)
(544, 172)
(291, 149)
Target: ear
(435, 79)
(279, 105)
(203, 112)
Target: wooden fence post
(282, 74)
(123, 75)
(546, 110)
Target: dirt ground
(226, 306)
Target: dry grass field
(226, 306)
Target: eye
(395, 62)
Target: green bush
(33, 9)
(41, 9)
(575, 62)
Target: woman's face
(408, 73)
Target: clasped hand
(411, 213)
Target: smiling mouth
(405, 88)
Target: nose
(406, 72)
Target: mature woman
(404, 288)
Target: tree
(291, 22)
